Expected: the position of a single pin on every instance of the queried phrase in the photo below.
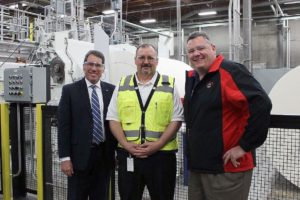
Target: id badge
(130, 165)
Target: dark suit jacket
(75, 124)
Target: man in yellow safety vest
(145, 114)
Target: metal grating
(29, 148)
(55, 182)
(277, 175)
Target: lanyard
(144, 107)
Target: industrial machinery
(55, 47)
(59, 41)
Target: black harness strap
(144, 107)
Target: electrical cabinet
(28, 84)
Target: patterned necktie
(97, 127)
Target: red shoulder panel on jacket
(191, 73)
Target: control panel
(27, 84)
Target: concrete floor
(28, 197)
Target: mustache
(146, 65)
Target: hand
(67, 167)
(148, 148)
(132, 148)
(233, 155)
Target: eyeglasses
(144, 58)
(92, 64)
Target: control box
(28, 84)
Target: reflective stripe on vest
(149, 134)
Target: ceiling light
(205, 13)
(108, 12)
(14, 6)
(292, 2)
(213, 24)
(148, 21)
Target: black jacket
(228, 107)
(75, 124)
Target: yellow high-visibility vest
(158, 114)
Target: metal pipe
(144, 28)
(168, 7)
(274, 10)
(31, 142)
(95, 17)
(19, 142)
(278, 8)
(225, 22)
(182, 48)
(230, 28)
(247, 34)
(287, 34)
(288, 45)
(74, 25)
(115, 25)
(121, 20)
(2, 25)
(236, 30)
(81, 10)
(24, 43)
(178, 35)
(23, 11)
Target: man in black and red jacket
(227, 114)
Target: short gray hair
(146, 46)
(196, 34)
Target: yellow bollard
(39, 152)
(5, 151)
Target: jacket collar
(214, 67)
(216, 64)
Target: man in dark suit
(86, 146)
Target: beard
(147, 69)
